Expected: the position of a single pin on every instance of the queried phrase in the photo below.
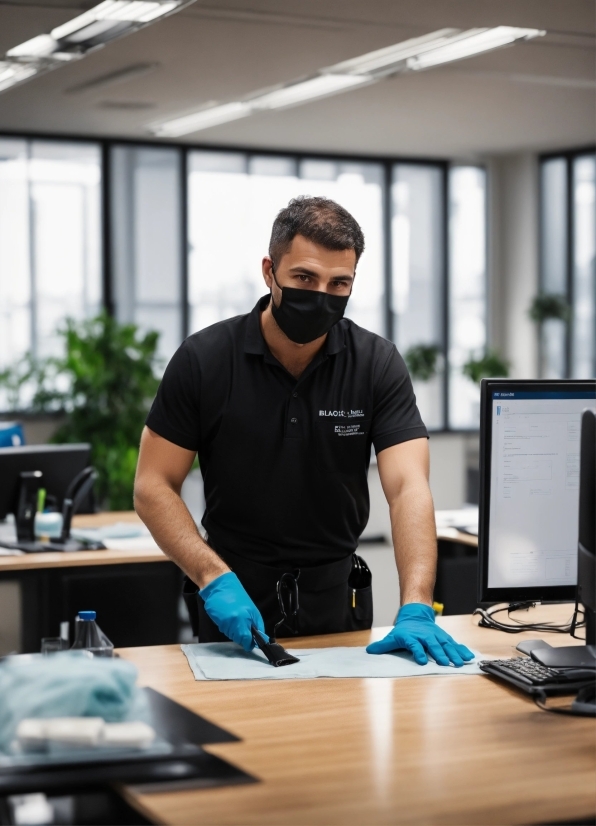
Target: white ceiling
(537, 95)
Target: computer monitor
(59, 465)
(586, 546)
(529, 488)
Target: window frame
(387, 162)
(569, 156)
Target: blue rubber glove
(416, 631)
(232, 610)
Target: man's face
(309, 266)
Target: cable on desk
(540, 701)
(488, 620)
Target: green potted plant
(547, 306)
(490, 365)
(423, 361)
(104, 384)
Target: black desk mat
(179, 725)
(187, 766)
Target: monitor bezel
(486, 595)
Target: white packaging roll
(128, 735)
(74, 732)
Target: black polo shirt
(285, 461)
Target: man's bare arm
(161, 470)
(404, 471)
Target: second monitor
(529, 488)
(59, 465)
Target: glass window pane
(147, 248)
(359, 188)
(467, 289)
(50, 241)
(584, 268)
(272, 166)
(553, 256)
(15, 275)
(64, 181)
(417, 273)
(223, 282)
(232, 206)
(64, 190)
(554, 225)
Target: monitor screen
(58, 463)
(530, 488)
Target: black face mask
(305, 315)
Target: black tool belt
(322, 599)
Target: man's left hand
(416, 631)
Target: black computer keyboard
(534, 678)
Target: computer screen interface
(530, 529)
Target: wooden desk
(447, 750)
(148, 554)
(453, 535)
(136, 599)
(79, 559)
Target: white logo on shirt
(343, 414)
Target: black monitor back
(586, 567)
(58, 463)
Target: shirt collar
(255, 343)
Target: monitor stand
(78, 489)
(26, 547)
(48, 547)
(569, 656)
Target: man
(282, 406)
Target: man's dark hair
(320, 220)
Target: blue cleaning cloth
(227, 661)
(68, 684)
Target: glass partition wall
(583, 264)
(467, 285)
(233, 201)
(567, 255)
(418, 275)
(184, 231)
(50, 241)
(146, 250)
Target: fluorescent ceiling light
(306, 90)
(90, 30)
(13, 73)
(316, 87)
(383, 58)
(442, 46)
(471, 42)
(100, 24)
(41, 46)
(203, 119)
(130, 11)
(431, 49)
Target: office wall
(450, 454)
(513, 259)
(38, 429)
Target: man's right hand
(232, 610)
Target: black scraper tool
(275, 653)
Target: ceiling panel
(536, 95)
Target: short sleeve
(396, 418)
(174, 414)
